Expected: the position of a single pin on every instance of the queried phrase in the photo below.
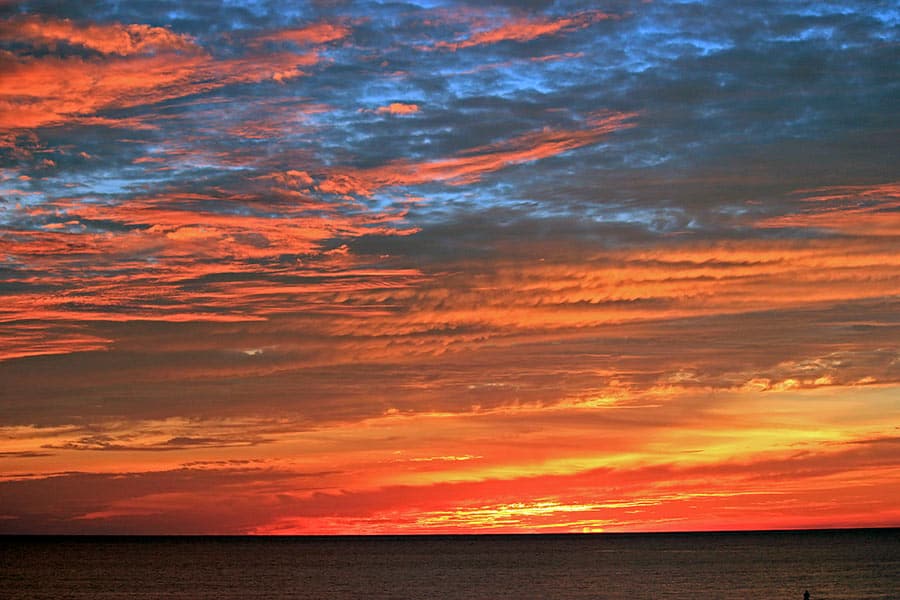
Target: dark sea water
(850, 565)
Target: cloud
(870, 210)
(31, 339)
(608, 499)
(608, 260)
(109, 443)
(526, 29)
(767, 489)
(49, 90)
(114, 38)
(398, 108)
(90, 498)
(469, 166)
(314, 34)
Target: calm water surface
(847, 565)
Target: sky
(360, 267)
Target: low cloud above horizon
(363, 267)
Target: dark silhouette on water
(806, 595)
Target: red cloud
(523, 30)
(469, 166)
(317, 33)
(186, 243)
(45, 91)
(113, 38)
(762, 489)
(850, 209)
(18, 340)
(398, 108)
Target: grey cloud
(310, 386)
(716, 95)
(102, 442)
(57, 504)
(739, 106)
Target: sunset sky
(343, 266)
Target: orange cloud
(469, 166)
(113, 38)
(504, 301)
(398, 108)
(316, 33)
(853, 209)
(18, 340)
(186, 244)
(535, 480)
(671, 281)
(524, 30)
(48, 90)
(264, 360)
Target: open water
(832, 565)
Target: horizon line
(450, 534)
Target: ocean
(832, 565)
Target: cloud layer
(364, 267)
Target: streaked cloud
(469, 166)
(519, 29)
(367, 268)
(317, 33)
(113, 38)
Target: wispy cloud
(390, 268)
(471, 164)
(113, 38)
(316, 33)
(519, 29)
